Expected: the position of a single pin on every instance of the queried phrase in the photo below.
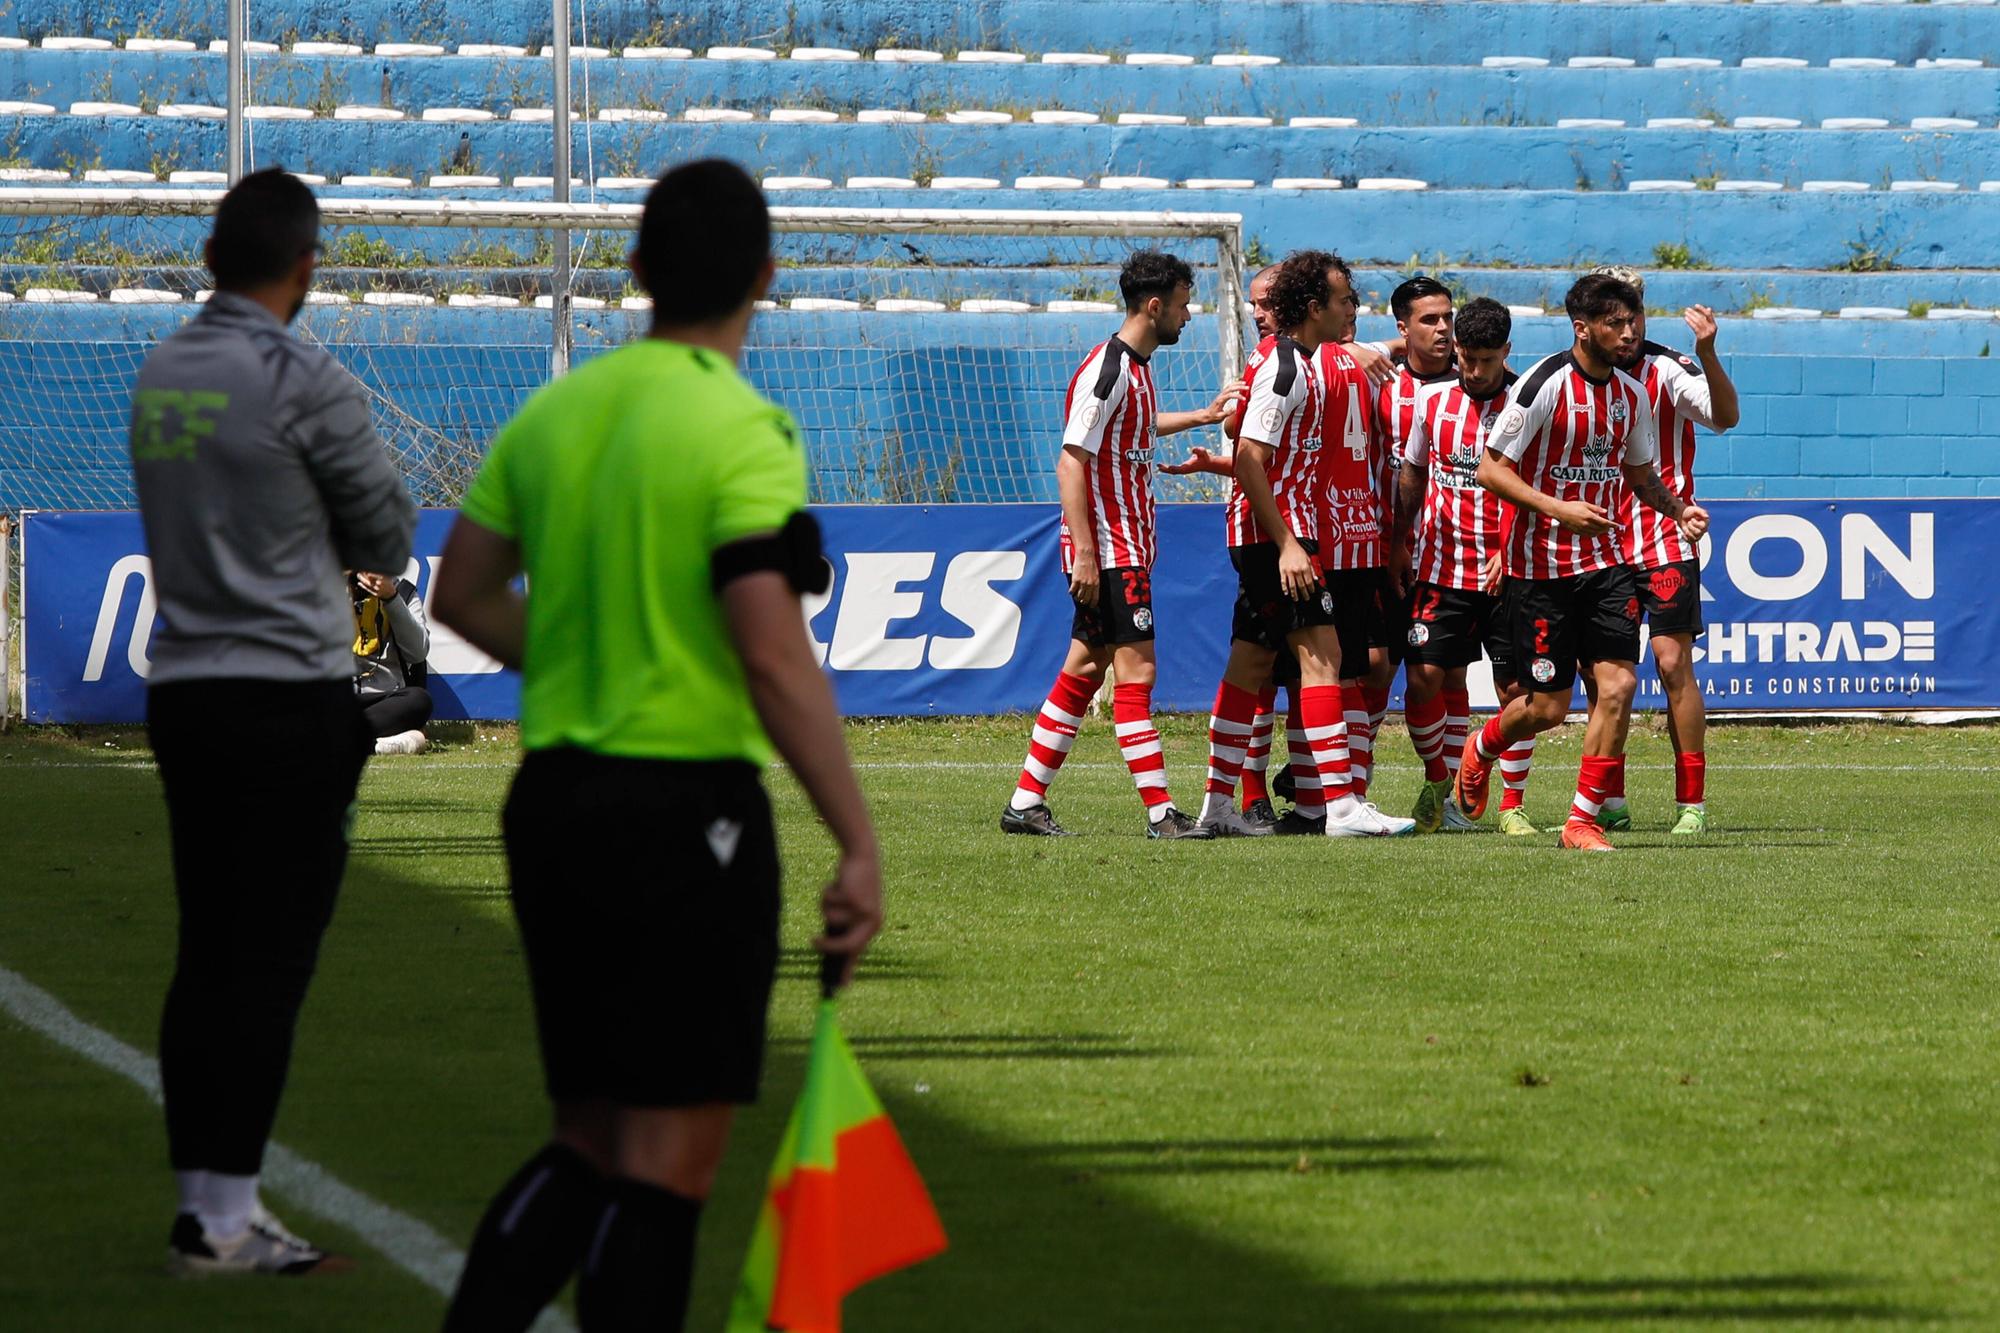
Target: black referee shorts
(647, 894)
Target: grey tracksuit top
(260, 480)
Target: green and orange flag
(845, 1203)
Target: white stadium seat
(889, 116)
(896, 55)
(1239, 60)
(906, 305)
(826, 55)
(964, 183)
(978, 118)
(793, 115)
(657, 53)
(1055, 117)
(1237, 122)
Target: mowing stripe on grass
(404, 1241)
(1014, 766)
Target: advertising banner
(955, 609)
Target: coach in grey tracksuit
(260, 479)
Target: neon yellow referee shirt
(617, 482)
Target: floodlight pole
(238, 64)
(559, 303)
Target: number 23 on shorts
(1138, 587)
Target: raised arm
(1723, 408)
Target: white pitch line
(401, 1239)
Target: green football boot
(1693, 820)
(1516, 824)
(1615, 819)
(1429, 809)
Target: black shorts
(1559, 622)
(1671, 598)
(1124, 610)
(1264, 615)
(1394, 630)
(647, 893)
(1358, 595)
(1451, 627)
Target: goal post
(925, 352)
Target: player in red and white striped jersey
(1685, 392)
(1272, 531)
(1456, 606)
(1423, 311)
(1575, 433)
(1105, 480)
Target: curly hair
(1150, 273)
(1483, 325)
(1300, 281)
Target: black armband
(793, 550)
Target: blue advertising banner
(1810, 605)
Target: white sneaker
(1399, 827)
(1228, 822)
(1365, 821)
(1455, 820)
(403, 742)
(264, 1246)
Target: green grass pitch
(1436, 1084)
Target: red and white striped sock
(1258, 757)
(1360, 737)
(1514, 764)
(1491, 743)
(1426, 723)
(1132, 715)
(1228, 739)
(1307, 798)
(1457, 719)
(1690, 777)
(1377, 699)
(1054, 733)
(1326, 732)
(1593, 781)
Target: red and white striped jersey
(1353, 517)
(1680, 396)
(1569, 435)
(1283, 411)
(1395, 416)
(1462, 523)
(1108, 413)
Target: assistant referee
(260, 479)
(657, 505)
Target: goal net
(925, 353)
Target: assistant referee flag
(845, 1203)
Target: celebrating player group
(1413, 504)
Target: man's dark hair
(1483, 325)
(1299, 281)
(1150, 273)
(264, 225)
(704, 236)
(1596, 295)
(1416, 289)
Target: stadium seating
(1829, 171)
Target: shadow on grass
(416, 1080)
(1782, 1298)
(991, 1046)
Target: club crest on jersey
(1142, 619)
(1091, 411)
(1543, 671)
(1326, 602)
(1272, 416)
(1420, 634)
(1512, 420)
(1618, 412)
